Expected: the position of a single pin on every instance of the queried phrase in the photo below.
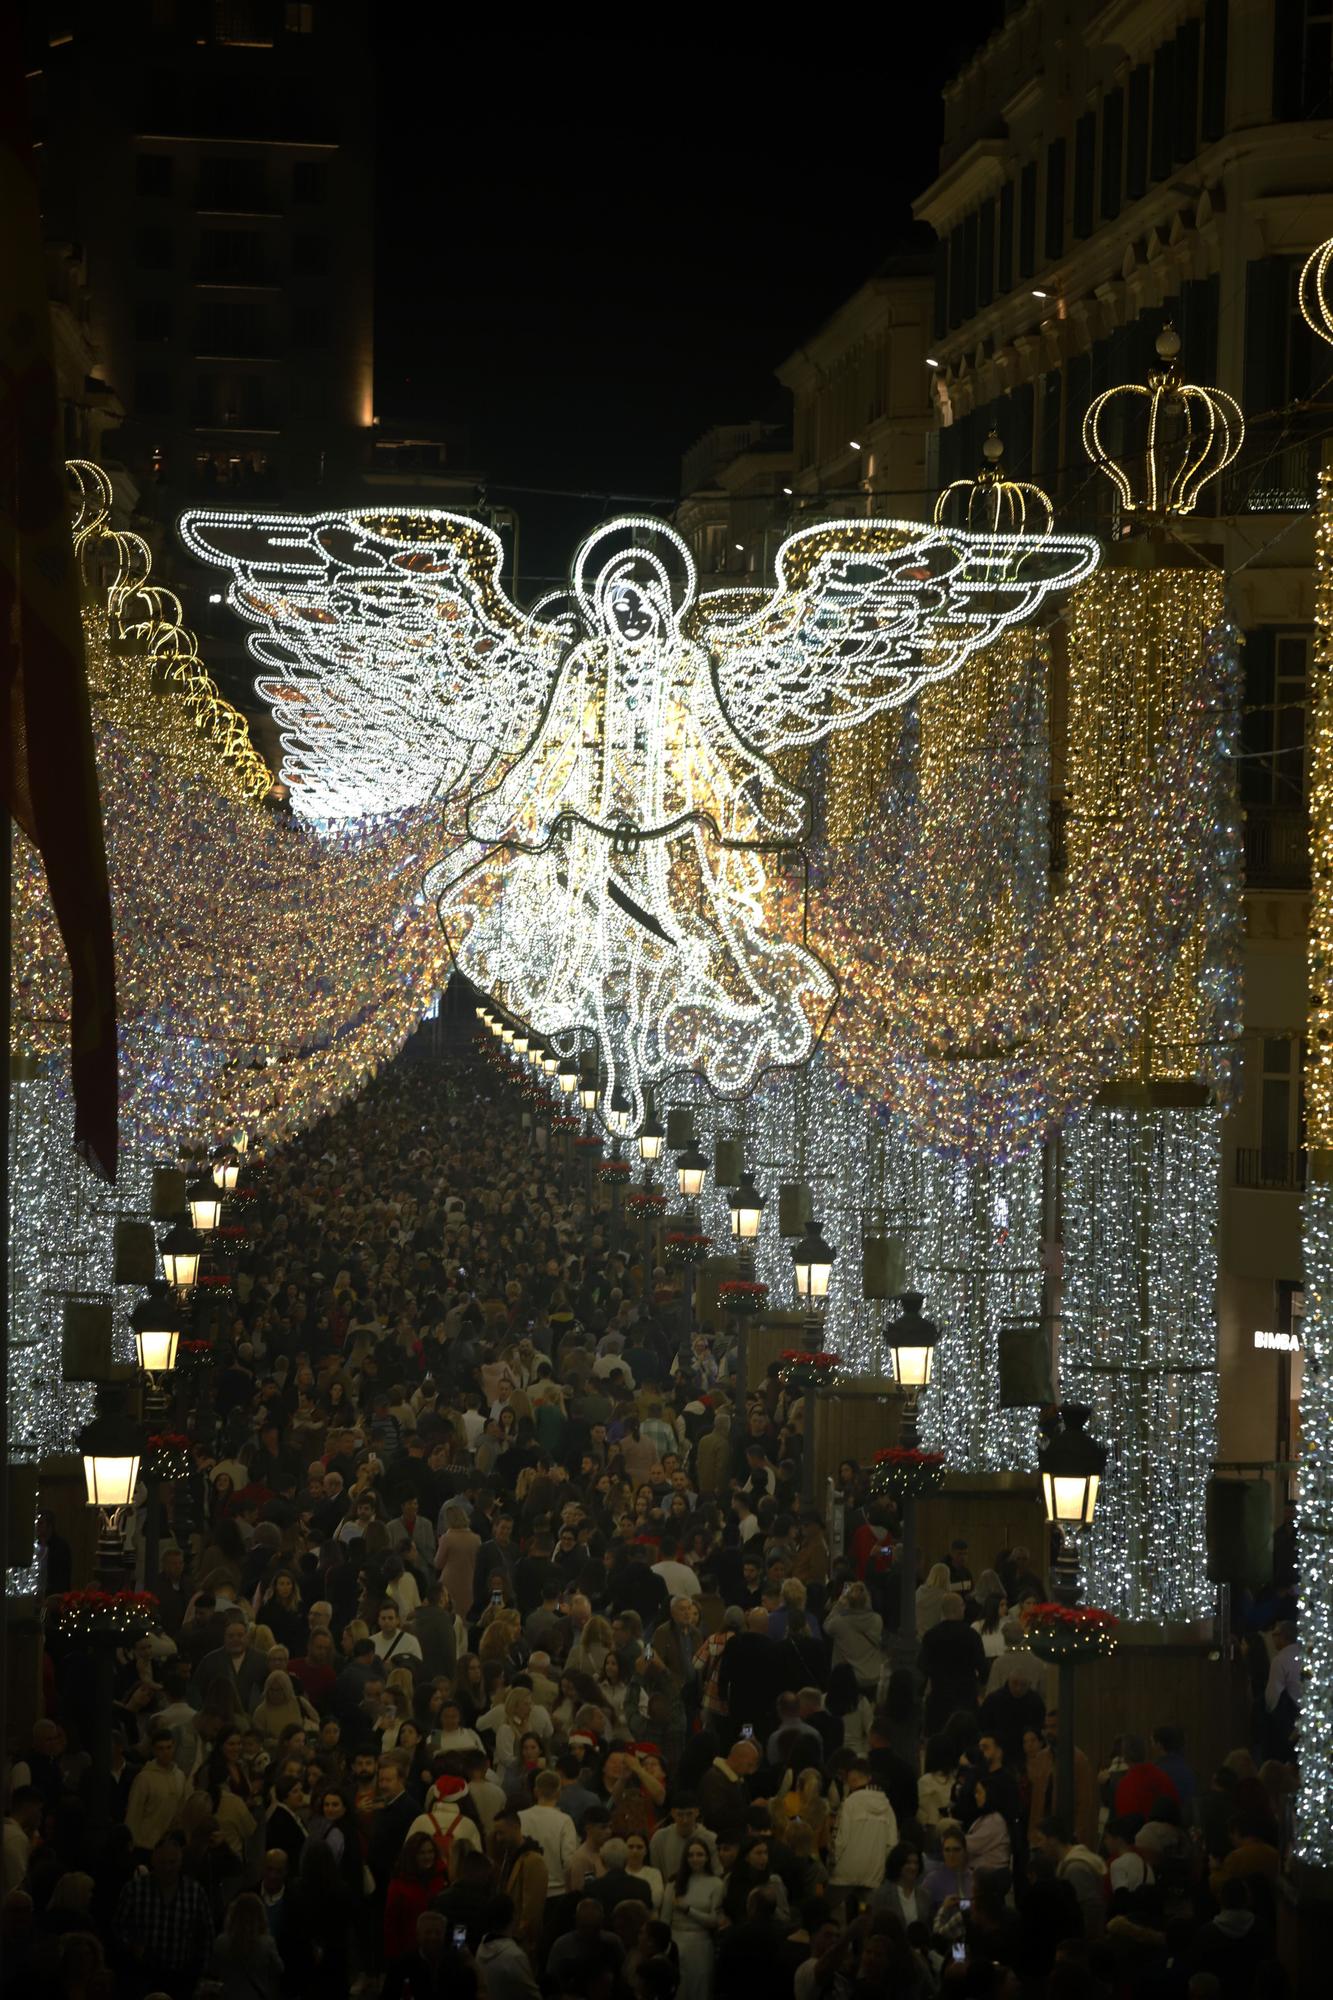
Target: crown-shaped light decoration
(1191, 435)
(1316, 309)
(995, 508)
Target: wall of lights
(1314, 1529)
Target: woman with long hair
(245, 1959)
(517, 1777)
(417, 1878)
(279, 1707)
(279, 1607)
(989, 1627)
(613, 1687)
(692, 1905)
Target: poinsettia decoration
(742, 1295)
(686, 1246)
(169, 1456)
(614, 1170)
(907, 1471)
(646, 1201)
(1070, 1631)
(83, 1613)
(795, 1357)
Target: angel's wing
(864, 614)
(396, 667)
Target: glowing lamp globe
(550, 1062)
(521, 1040)
(567, 1076)
(156, 1325)
(911, 1340)
(588, 1090)
(652, 1138)
(181, 1249)
(1071, 1465)
(226, 1175)
(110, 1446)
(204, 1201)
(747, 1209)
(691, 1172)
(812, 1261)
(619, 1113)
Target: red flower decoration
(1073, 1617)
(169, 1441)
(743, 1287)
(897, 1454)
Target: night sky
(590, 248)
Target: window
(152, 320)
(245, 22)
(1027, 220)
(986, 252)
(1213, 121)
(1136, 140)
(1273, 719)
(1055, 198)
(228, 181)
(1302, 58)
(152, 174)
(152, 392)
(968, 302)
(955, 276)
(310, 181)
(1187, 90)
(299, 19)
(231, 256)
(1005, 275)
(1047, 468)
(154, 250)
(310, 327)
(1280, 1109)
(1280, 362)
(1163, 110)
(310, 254)
(940, 321)
(231, 326)
(1085, 160)
(1113, 152)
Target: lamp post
(181, 1249)
(911, 1341)
(651, 1140)
(812, 1265)
(1071, 1465)
(156, 1325)
(203, 1198)
(111, 1446)
(746, 1206)
(691, 1173)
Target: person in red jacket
(1143, 1783)
(413, 1884)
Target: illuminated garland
(1314, 1523)
(1189, 435)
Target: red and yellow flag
(47, 771)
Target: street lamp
(652, 1138)
(619, 1113)
(111, 1445)
(203, 1198)
(520, 1040)
(911, 1340)
(226, 1173)
(747, 1209)
(181, 1249)
(691, 1172)
(812, 1260)
(550, 1062)
(156, 1324)
(588, 1091)
(1071, 1465)
(567, 1077)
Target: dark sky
(594, 244)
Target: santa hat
(449, 1787)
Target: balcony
(1276, 473)
(1261, 1167)
(1277, 848)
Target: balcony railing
(1275, 473)
(1277, 848)
(1261, 1167)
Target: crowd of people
(495, 1654)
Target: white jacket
(865, 1830)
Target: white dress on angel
(605, 759)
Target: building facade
(1106, 168)
(209, 170)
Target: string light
(612, 879)
(1190, 436)
(997, 508)
(1314, 1525)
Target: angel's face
(634, 620)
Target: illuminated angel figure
(605, 758)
